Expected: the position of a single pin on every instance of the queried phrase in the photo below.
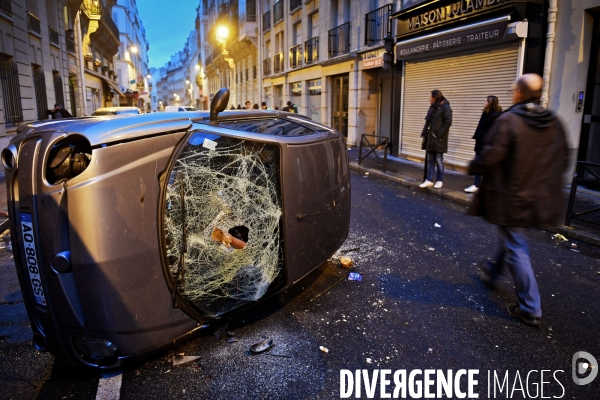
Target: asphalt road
(420, 305)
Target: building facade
(131, 61)
(39, 61)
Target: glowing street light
(149, 76)
(133, 49)
(222, 33)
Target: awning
(464, 36)
(110, 83)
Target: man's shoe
(426, 184)
(438, 185)
(515, 311)
(472, 189)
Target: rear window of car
(273, 126)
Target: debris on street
(559, 237)
(181, 359)
(324, 349)
(437, 225)
(355, 276)
(261, 346)
(346, 262)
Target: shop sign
(412, 22)
(459, 39)
(372, 59)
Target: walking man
(522, 162)
(435, 138)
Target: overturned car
(130, 233)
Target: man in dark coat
(522, 162)
(435, 137)
(59, 112)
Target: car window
(274, 126)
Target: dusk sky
(168, 25)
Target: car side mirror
(219, 103)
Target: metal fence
(53, 35)
(311, 50)
(339, 40)
(33, 23)
(251, 10)
(5, 7)
(378, 24)
(11, 92)
(278, 12)
(278, 63)
(296, 56)
(266, 21)
(70, 45)
(267, 66)
(39, 84)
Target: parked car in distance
(129, 234)
(116, 111)
(180, 108)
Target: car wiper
(183, 240)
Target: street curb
(465, 199)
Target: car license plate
(31, 259)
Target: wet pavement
(420, 305)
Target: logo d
(579, 368)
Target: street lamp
(133, 49)
(222, 33)
(149, 76)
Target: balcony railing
(278, 12)
(33, 23)
(5, 7)
(339, 40)
(294, 4)
(378, 24)
(296, 56)
(311, 50)
(278, 63)
(266, 21)
(251, 10)
(53, 35)
(71, 45)
(267, 66)
(91, 8)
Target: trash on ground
(573, 245)
(232, 340)
(349, 250)
(559, 237)
(366, 173)
(346, 262)
(261, 346)
(355, 276)
(431, 249)
(182, 359)
(231, 333)
(576, 251)
(437, 225)
(324, 349)
(369, 361)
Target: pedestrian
(276, 108)
(232, 107)
(491, 110)
(58, 112)
(263, 106)
(292, 107)
(248, 105)
(522, 162)
(255, 106)
(435, 137)
(239, 107)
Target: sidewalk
(410, 173)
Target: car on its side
(116, 111)
(180, 108)
(129, 234)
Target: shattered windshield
(222, 221)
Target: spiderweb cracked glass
(234, 185)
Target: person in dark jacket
(491, 110)
(522, 162)
(59, 112)
(435, 137)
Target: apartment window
(58, 88)
(313, 28)
(11, 92)
(39, 84)
(268, 48)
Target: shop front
(468, 49)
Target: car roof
(101, 130)
(116, 108)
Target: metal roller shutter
(466, 81)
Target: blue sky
(168, 25)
